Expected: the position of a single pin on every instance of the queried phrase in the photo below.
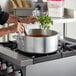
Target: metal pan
(48, 43)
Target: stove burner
(73, 47)
(10, 44)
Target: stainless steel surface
(14, 57)
(23, 12)
(39, 45)
(59, 67)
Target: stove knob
(18, 73)
(0, 65)
(3, 66)
(9, 69)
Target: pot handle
(15, 36)
(19, 35)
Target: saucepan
(38, 41)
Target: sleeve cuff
(3, 17)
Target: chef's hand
(17, 27)
(28, 20)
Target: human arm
(13, 19)
(17, 27)
(6, 18)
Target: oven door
(60, 67)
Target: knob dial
(3, 66)
(9, 69)
(18, 73)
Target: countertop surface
(63, 20)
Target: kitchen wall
(5, 4)
(59, 28)
(71, 30)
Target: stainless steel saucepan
(35, 43)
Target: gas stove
(12, 46)
(65, 49)
(11, 54)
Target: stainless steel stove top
(9, 52)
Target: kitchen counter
(63, 20)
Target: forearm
(13, 19)
(4, 31)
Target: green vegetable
(45, 21)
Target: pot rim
(48, 35)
